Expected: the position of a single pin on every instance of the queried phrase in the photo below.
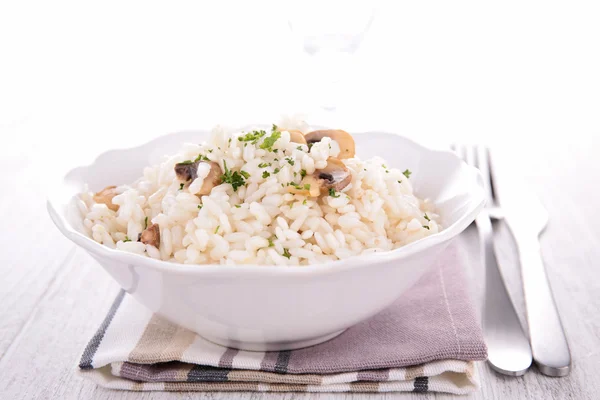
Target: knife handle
(548, 341)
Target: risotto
(284, 196)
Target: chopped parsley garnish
(399, 181)
(146, 223)
(199, 206)
(186, 162)
(332, 193)
(290, 161)
(245, 174)
(235, 179)
(307, 186)
(181, 185)
(407, 173)
(238, 206)
(304, 202)
(286, 253)
(271, 244)
(276, 159)
(291, 206)
(268, 143)
(252, 137)
(263, 165)
(383, 165)
(426, 227)
(276, 170)
(295, 173)
(229, 140)
(211, 150)
(201, 158)
(303, 173)
(426, 217)
(387, 171)
(217, 230)
(126, 239)
(266, 174)
(299, 148)
(275, 150)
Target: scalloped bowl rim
(360, 261)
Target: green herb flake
(427, 217)
(307, 186)
(399, 181)
(275, 150)
(211, 150)
(235, 179)
(186, 162)
(252, 137)
(383, 165)
(229, 140)
(302, 173)
(387, 171)
(407, 173)
(299, 148)
(271, 244)
(181, 185)
(266, 174)
(286, 253)
(238, 206)
(245, 174)
(304, 202)
(201, 158)
(199, 206)
(276, 170)
(146, 223)
(290, 161)
(426, 227)
(268, 143)
(126, 239)
(263, 165)
(332, 193)
(217, 230)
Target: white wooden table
(523, 78)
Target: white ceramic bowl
(256, 307)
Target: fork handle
(548, 341)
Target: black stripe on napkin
(92, 347)
(421, 384)
(203, 373)
(283, 358)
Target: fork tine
(482, 162)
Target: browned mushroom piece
(296, 136)
(334, 176)
(105, 196)
(151, 235)
(309, 186)
(343, 139)
(212, 179)
(187, 170)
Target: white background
(78, 76)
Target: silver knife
(527, 218)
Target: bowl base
(271, 346)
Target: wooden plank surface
(53, 297)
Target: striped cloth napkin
(427, 341)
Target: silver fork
(509, 351)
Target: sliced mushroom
(212, 179)
(343, 139)
(310, 186)
(187, 171)
(334, 176)
(296, 136)
(151, 235)
(105, 196)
